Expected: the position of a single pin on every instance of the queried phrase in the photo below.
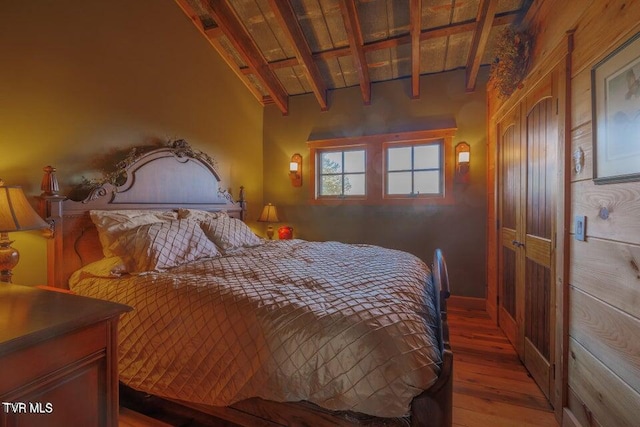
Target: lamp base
(270, 232)
(9, 258)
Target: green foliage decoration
(513, 52)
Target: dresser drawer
(23, 366)
(72, 396)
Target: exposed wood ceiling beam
(432, 33)
(486, 12)
(415, 13)
(287, 19)
(212, 34)
(224, 15)
(224, 30)
(354, 35)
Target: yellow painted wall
(458, 229)
(81, 79)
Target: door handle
(517, 244)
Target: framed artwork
(615, 89)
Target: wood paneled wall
(603, 293)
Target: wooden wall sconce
(295, 170)
(463, 161)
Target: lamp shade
(16, 213)
(269, 214)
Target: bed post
(434, 407)
(243, 204)
(51, 210)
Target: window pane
(427, 156)
(331, 185)
(354, 184)
(409, 168)
(331, 162)
(354, 161)
(399, 158)
(427, 182)
(399, 183)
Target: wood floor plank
(491, 386)
(469, 418)
(129, 418)
(496, 370)
(504, 410)
(499, 384)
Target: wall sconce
(463, 160)
(295, 170)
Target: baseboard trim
(568, 419)
(467, 303)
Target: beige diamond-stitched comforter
(348, 327)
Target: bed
(244, 329)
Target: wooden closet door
(528, 138)
(509, 290)
(541, 139)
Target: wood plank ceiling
(280, 48)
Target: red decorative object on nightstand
(285, 233)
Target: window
(341, 173)
(414, 170)
(402, 168)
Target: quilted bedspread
(347, 327)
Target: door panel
(509, 283)
(538, 249)
(509, 200)
(537, 307)
(541, 140)
(527, 182)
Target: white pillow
(112, 224)
(163, 245)
(230, 233)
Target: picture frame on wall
(615, 91)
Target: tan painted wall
(81, 79)
(604, 277)
(459, 229)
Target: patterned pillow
(230, 233)
(112, 224)
(199, 215)
(163, 245)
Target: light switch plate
(581, 227)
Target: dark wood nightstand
(58, 358)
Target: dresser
(58, 359)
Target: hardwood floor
(490, 387)
(129, 418)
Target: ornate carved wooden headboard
(165, 178)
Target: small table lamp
(16, 214)
(269, 214)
